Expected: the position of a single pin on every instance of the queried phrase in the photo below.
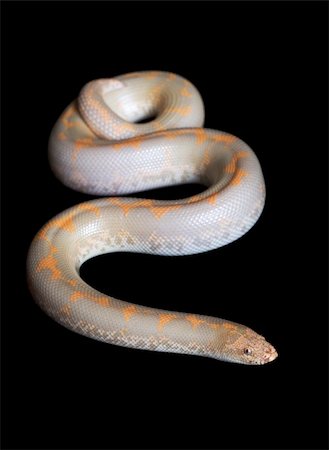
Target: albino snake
(97, 147)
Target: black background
(262, 71)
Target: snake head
(245, 346)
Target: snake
(124, 135)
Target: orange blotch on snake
(124, 127)
(172, 76)
(100, 300)
(227, 138)
(238, 176)
(182, 110)
(194, 320)
(131, 143)
(127, 207)
(67, 115)
(241, 154)
(66, 222)
(164, 319)
(83, 142)
(231, 167)
(206, 158)
(80, 144)
(229, 326)
(159, 211)
(129, 311)
(201, 136)
(185, 92)
(89, 207)
(66, 310)
(62, 136)
(49, 262)
(212, 199)
(151, 75)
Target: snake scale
(103, 144)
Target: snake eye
(247, 351)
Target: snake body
(97, 146)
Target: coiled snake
(97, 147)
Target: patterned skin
(97, 147)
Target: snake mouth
(270, 355)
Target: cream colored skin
(95, 147)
